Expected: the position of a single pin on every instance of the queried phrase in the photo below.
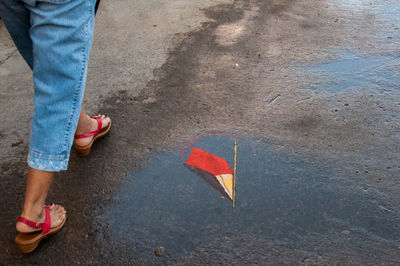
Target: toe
(58, 209)
(106, 120)
(61, 209)
(59, 215)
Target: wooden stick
(234, 178)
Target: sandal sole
(28, 242)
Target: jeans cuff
(47, 162)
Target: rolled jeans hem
(47, 162)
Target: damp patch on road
(296, 207)
(351, 71)
(384, 10)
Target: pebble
(158, 251)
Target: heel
(27, 242)
(27, 248)
(83, 152)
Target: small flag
(213, 169)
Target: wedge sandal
(27, 242)
(100, 132)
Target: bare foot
(91, 126)
(57, 214)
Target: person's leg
(61, 33)
(16, 18)
(37, 186)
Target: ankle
(33, 213)
(85, 125)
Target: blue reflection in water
(357, 72)
(387, 10)
(279, 197)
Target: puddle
(358, 72)
(279, 198)
(387, 10)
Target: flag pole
(234, 177)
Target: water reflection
(358, 72)
(386, 10)
(280, 197)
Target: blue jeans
(54, 37)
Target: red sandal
(100, 132)
(27, 242)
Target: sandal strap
(92, 133)
(47, 220)
(45, 226)
(29, 222)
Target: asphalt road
(310, 89)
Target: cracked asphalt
(313, 85)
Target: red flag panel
(208, 162)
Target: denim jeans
(54, 37)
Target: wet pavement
(310, 89)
